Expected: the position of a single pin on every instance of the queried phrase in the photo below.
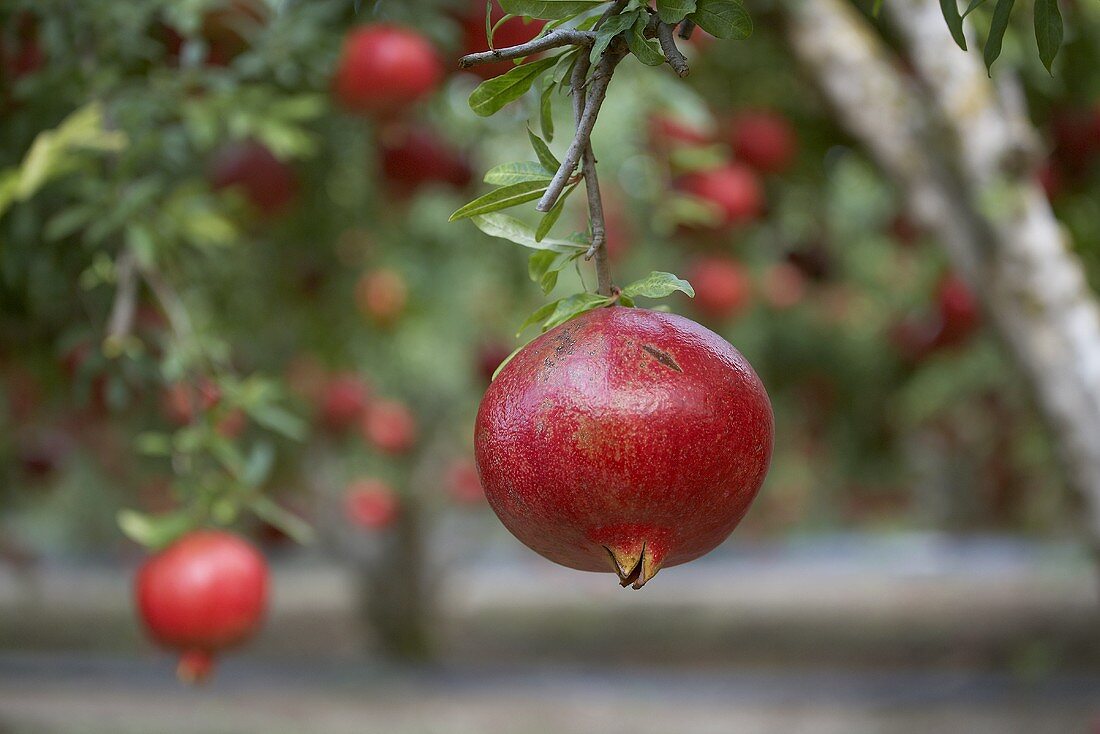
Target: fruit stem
(195, 666)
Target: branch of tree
(597, 92)
(121, 321)
(596, 220)
(554, 39)
(672, 54)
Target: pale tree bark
(962, 150)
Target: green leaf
(513, 230)
(673, 11)
(544, 266)
(543, 152)
(549, 9)
(512, 173)
(155, 531)
(612, 27)
(153, 443)
(722, 18)
(877, 8)
(503, 198)
(647, 51)
(950, 10)
(1048, 30)
(258, 466)
(997, 29)
(491, 95)
(551, 217)
(541, 313)
(276, 419)
(658, 285)
(68, 221)
(546, 111)
(283, 519)
(573, 306)
(974, 5)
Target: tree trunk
(962, 150)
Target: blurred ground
(895, 634)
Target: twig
(554, 39)
(121, 321)
(596, 94)
(615, 8)
(598, 246)
(673, 56)
(171, 303)
(687, 29)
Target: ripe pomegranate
(722, 287)
(512, 32)
(418, 157)
(25, 56)
(763, 139)
(667, 133)
(203, 594)
(381, 295)
(463, 484)
(783, 286)
(384, 70)
(183, 401)
(343, 401)
(267, 183)
(489, 356)
(624, 440)
(371, 504)
(390, 426)
(226, 29)
(733, 189)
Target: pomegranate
(624, 440)
(268, 184)
(390, 426)
(382, 295)
(722, 286)
(511, 32)
(371, 504)
(732, 189)
(384, 69)
(343, 401)
(763, 139)
(203, 594)
(463, 484)
(182, 401)
(419, 157)
(959, 316)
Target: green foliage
(1047, 20)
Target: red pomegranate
(267, 183)
(371, 504)
(390, 427)
(463, 484)
(959, 314)
(203, 594)
(418, 157)
(512, 32)
(343, 400)
(722, 286)
(384, 70)
(732, 189)
(763, 139)
(624, 440)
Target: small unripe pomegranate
(765, 140)
(267, 183)
(381, 295)
(344, 400)
(722, 287)
(512, 32)
(371, 504)
(624, 440)
(384, 70)
(390, 426)
(203, 594)
(418, 157)
(733, 190)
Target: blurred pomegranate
(512, 32)
(390, 427)
(343, 402)
(783, 286)
(722, 286)
(371, 503)
(733, 190)
(182, 402)
(489, 356)
(765, 140)
(268, 184)
(381, 296)
(384, 70)
(416, 157)
(463, 484)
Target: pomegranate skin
(384, 70)
(205, 592)
(624, 440)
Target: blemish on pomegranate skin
(662, 356)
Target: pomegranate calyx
(634, 569)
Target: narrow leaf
(950, 10)
(573, 306)
(722, 18)
(491, 95)
(612, 27)
(154, 531)
(282, 518)
(546, 111)
(647, 51)
(658, 285)
(513, 230)
(542, 150)
(502, 198)
(974, 5)
(1048, 30)
(549, 9)
(512, 173)
(541, 313)
(550, 218)
(997, 29)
